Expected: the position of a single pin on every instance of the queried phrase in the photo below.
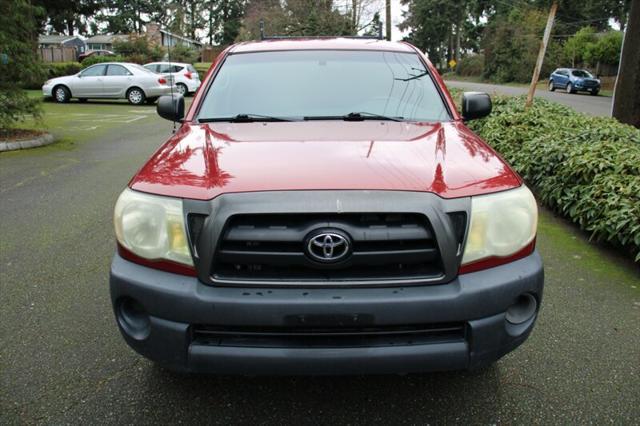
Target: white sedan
(185, 75)
(113, 80)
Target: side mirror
(475, 105)
(171, 107)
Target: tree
(295, 18)
(127, 16)
(225, 20)
(576, 46)
(626, 102)
(606, 49)
(67, 16)
(18, 42)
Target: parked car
(574, 80)
(90, 53)
(185, 76)
(323, 209)
(116, 80)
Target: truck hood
(202, 161)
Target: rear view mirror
(475, 105)
(171, 107)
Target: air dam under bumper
(163, 317)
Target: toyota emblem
(328, 246)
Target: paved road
(582, 102)
(62, 359)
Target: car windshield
(581, 73)
(324, 84)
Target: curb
(41, 140)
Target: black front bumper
(175, 306)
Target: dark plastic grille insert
(328, 337)
(269, 248)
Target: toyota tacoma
(323, 209)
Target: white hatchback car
(116, 80)
(185, 76)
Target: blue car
(574, 80)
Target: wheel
(551, 86)
(182, 89)
(569, 88)
(82, 100)
(61, 94)
(594, 93)
(136, 96)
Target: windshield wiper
(354, 116)
(244, 118)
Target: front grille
(332, 337)
(270, 249)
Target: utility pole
(388, 18)
(541, 53)
(626, 102)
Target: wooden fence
(58, 54)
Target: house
(59, 41)
(105, 41)
(165, 38)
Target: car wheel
(135, 96)
(182, 89)
(551, 86)
(82, 100)
(61, 94)
(569, 88)
(595, 93)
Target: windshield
(324, 84)
(581, 73)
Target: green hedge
(95, 59)
(472, 65)
(587, 168)
(202, 68)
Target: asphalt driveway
(62, 359)
(582, 102)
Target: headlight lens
(152, 227)
(501, 224)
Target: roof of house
(55, 38)
(106, 38)
(180, 37)
(315, 43)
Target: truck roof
(320, 43)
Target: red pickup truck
(323, 209)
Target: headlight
(152, 227)
(46, 83)
(502, 224)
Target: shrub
(202, 68)
(586, 168)
(184, 54)
(59, 69)
(18, 41)
(472, 65)
(138, 49)
(95, 59)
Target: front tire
(61, 94)
(182, 89)
(551, 86)
(570, 88)
(595, 93)
(136, 96)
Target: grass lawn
(75, 122)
